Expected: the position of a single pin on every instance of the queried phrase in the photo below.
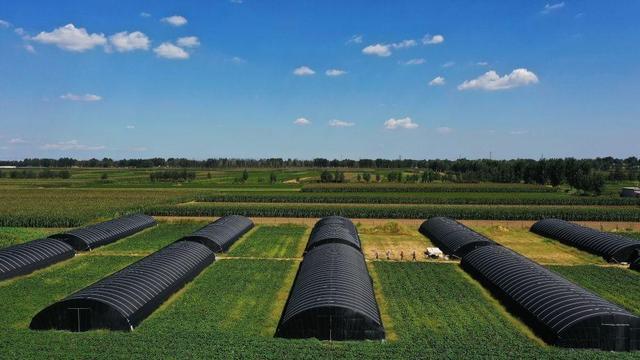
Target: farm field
(429, 308)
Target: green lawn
(273, 241)
(151, 240)
(17, 235)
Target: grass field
(232, 308)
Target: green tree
(366, 176)
(104, 176)
(273, 178)
(245, 175)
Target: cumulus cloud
(188, 41)
(437, 81)
(130, 126)
(175, 20)
(519, 132)
(124, 41)
(549, 8)
(381, 50)
(72, 145)
(404, 44)
(145, 14)
(236, 1)
(168, 50)
(303, 71)
(85, 97)
(418, 61)
(238, 60)
(29, 48)
(301, 121)
(491, 81)
(335, 72)
(404, 123)
(340, 123)
(432, 40)
(482, 63)
(444, 130)
(4, 24)
(448, 64)
(15, 141)
(355, 39)
(71, 38)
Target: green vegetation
(232, 308)
(435, 187)
(275, 241)
(452, 198)
(71, 208)
(380, 211)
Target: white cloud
(4, 24)
(17, 141)
(29, 48)
(404, 123)
(71, 38)
(302, 121)
(85, 97)
(124, 41)
(381, 50)
(444, 130)
(72, 145)
(355, 39)
(236, 1)
(448, 64)
(238, 60)
(340, 123)
(130, 126)
(404, 44)
(482, 63)
(139, 149)
(169, 51)
(437, 81)
(492, 81)
(548, 8)
(175, 20)
(432, 40)
(519, 132)
(335, 72)
(303, 71)
(145, 14)
(188, 41)
(418, 61)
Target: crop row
(390, 211)
(419, 198)
(432, 187)
(70, 208)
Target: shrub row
(507, 212)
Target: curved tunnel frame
(452, 237)
(23, 259)
(332, 296)
(612, 247)
(221, 234)
(90, 237)
(562, 313)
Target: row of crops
(433, 187)
(71, 208)
(391, 211)
(452, 198)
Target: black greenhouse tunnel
(25, 258)
(452, 237)
(222, 233)
(332, 296)
(612, 247)
(562, 313)
(93, 236)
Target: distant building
(630, 192)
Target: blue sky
(417, 79)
